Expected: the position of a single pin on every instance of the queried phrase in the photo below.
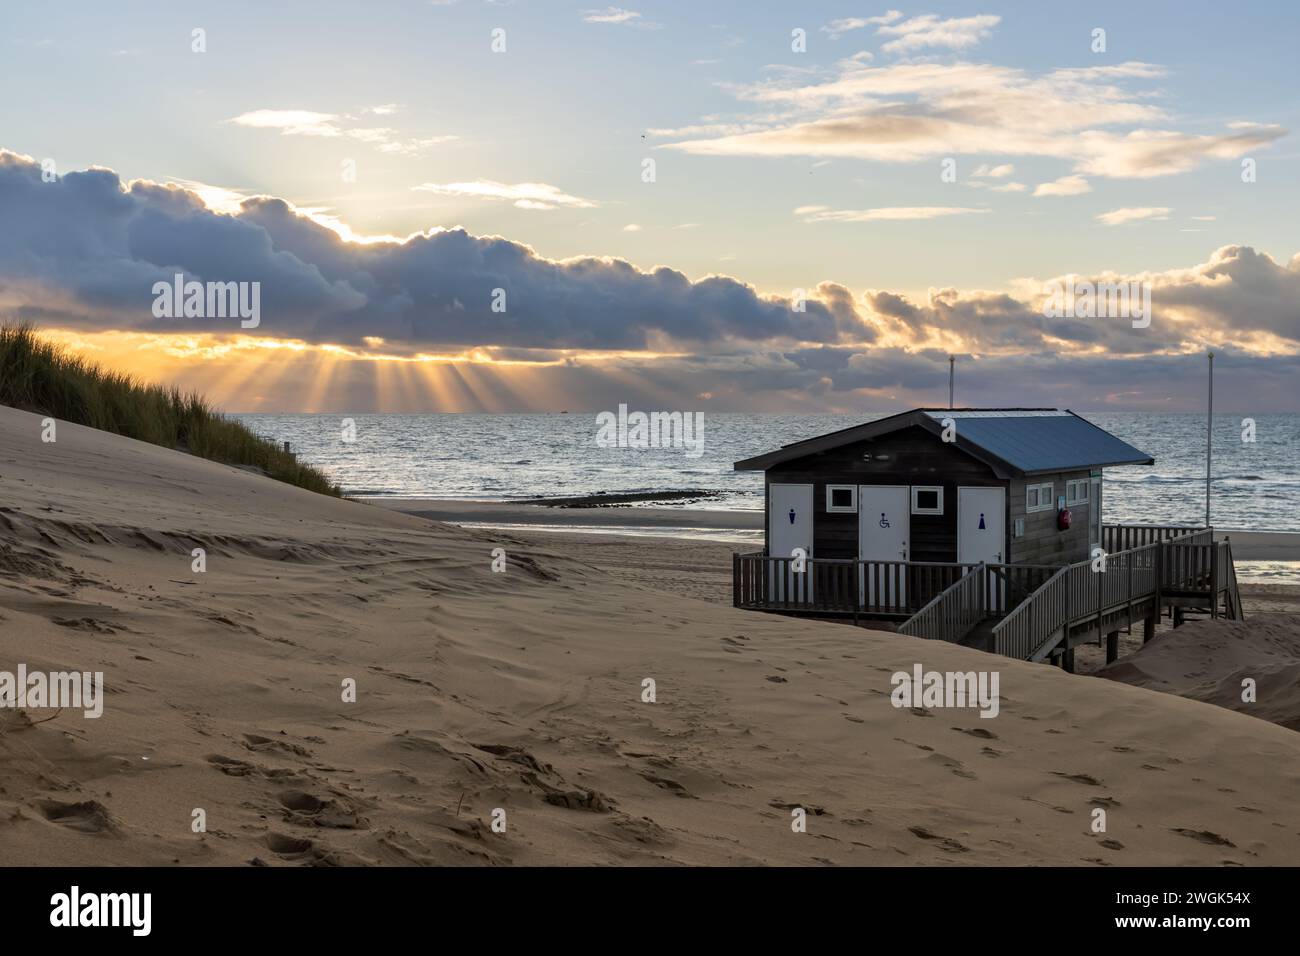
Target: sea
(1255, 464)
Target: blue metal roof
(1013, 441)
(1041, 441)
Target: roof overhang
(932, 421)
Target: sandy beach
(522, 696)
(736, 525)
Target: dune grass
(39, 376)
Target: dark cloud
(85, 251)
(103, 247)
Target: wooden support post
(1214, 580)
(1178, 617)
(1067, 660)
(1149, 627)
(1112, 647)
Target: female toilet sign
(982, 528)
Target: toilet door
(790, 526)
(884, 534)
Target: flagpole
(952, 359)
(1209, 444)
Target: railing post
(858, 584)
(1159, 581)
(735, 579)
(1099, 578)
(1128, 599)
(984, 590)
(1214, 579)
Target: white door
(790, 526)
(884, 532)
(982, 530)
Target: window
(842, 498)
(1076, 492)
(927, 500)
(1039, 497)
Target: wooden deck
(1031, 612)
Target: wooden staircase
(1078, 603)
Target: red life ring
(1063, 519)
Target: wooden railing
(1125, 537)
(1038, 605)
(1100, 590)
(1230, 585)
(838, 585)
(952, 614)
(1011, 584)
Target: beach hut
(994, 485)
(978, 526)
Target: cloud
(540, 196)
(837, 28)
(291, 122)
(883, 213)
(416, 146)
(1097, 119)
(995, 172)
(1117, 217)
(1065, 186)
(335, 125)
(957, 33)
(82, 254)
(86, 250)
(620, 16)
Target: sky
(535, 205)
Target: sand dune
(1210, 661)
(523, 691)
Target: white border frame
(1074, 483)
(1048, 504)
(927, 511)
(839, 510)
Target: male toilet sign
(982, 528)
(792, 516)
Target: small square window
(1076, 491)
(927, 500)
(1038, 497)
(842, 498)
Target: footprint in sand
(945, 844)
(663, 783)
(89, 816)
(950, 763)
(256, 742)
(1078, 778)
(310, 810)
(1203, 836)
(977, 732)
